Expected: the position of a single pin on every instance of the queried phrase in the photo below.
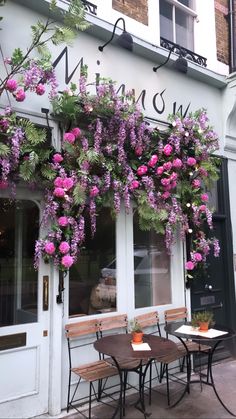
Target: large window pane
(166, 22)
(93, 278)
(151, 269)
(18, 279)
(184, 29)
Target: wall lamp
(181, 64)
(125, 40)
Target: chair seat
(95, 370)
(179, 353)
(125, 364)
(194, 346)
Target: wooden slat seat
(95, 371)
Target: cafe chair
(80, 338)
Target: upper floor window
(177, 22)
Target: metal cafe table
(119, 348)
(213, 337)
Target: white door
(24, 332)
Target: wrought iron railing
(90, 7)
(184, 52)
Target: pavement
(201, 402)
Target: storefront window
(151, 269)
(92, 287)
(19, 228)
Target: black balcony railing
(90, 7)
(184, 52)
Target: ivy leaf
(79, 194)
(4, 150)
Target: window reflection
(93, 278)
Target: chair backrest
(176, 314)
(113, 323)
(150, 319)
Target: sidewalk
(198, 404)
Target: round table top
(171, 329)
(119, 345)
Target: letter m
(68, 76)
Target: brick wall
(222, 31)
(136, 9)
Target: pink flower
(63, 221)
(173, 176)
(167, 150)
(142, 170)
(189, 265)
(203, 171)
(67, 261)
(204, 197)
(167, 165)
(165, 195)
(138, 151)
(191, 161)
(173, 184)
(49, 248)
(153, 160)
(134, 184)
(58, 182)
(160, 170)
(68, 183)
(165, 181)
(57, 158)
(177, 163)
(202, 208)
(94, 191)
(76, 132)
(69, 137)
(20, 95)
(196, 183)
(3, 184)
(64, 247)
(40, 89)
(11, 85)
(197, 257)
(59, 192)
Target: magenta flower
(67, 261)
(76, 132)
(160, 170)
(189, 265)
(40, 89)
(134, 184)
(58, 182)
(177, 163)
(196, 183)
(167, 165)
(165, 181)
(167, 150)
(204, 197)
(20, 95)
(11, 85)
(63, 221)
(94, 191)
(69, 137)
(202, 208)
(64, 247)
(59, 192)
(165, 195)
(57, 158)
(3, 184)
(49, 248)
(191, 161)
(197, 257)
(138, 151)
(68, 183)
(142, 170)
(153, 160)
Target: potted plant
(136, 331)
(202, 320)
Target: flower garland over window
(110, 154)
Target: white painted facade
(40, 384)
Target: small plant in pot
(202, 320)
(136, 331)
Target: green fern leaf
(4, 150)
(79, 194)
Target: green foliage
(148, 217)
(75, 17)
(135, 326)
(201, 316)
(17, 56)
(4, 150)
(79, 194)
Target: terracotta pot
(137, 337)
(203, 326)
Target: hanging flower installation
(109, 155)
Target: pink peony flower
(69, 137)
(58, 182)
(204, 197)
(142, 170)
(134, 184)
(63, 221)
(11, 85)
(57, 158)
(196, 183)
(64, 247)
(165, 195)
(94, 191)
(153, 160)
(20, 95)
(165, 181)
(49, 248)
(167, 165)
(173, 176)
(177, 163)
(3, 184)
(189, 265)
(59, 192)
(76, 132)
(191, 161)
(203, 171)
(68, 183)
(197, 257)
(40, 89)
(160, 170)
(173, 184)
(138, 151)
(167, 150)
(202, 208)
(67, 261)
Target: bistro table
(213, 337)
(119, 347)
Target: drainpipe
(232, 34)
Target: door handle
(208, 287)
(45, 292)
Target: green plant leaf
(4, 150)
